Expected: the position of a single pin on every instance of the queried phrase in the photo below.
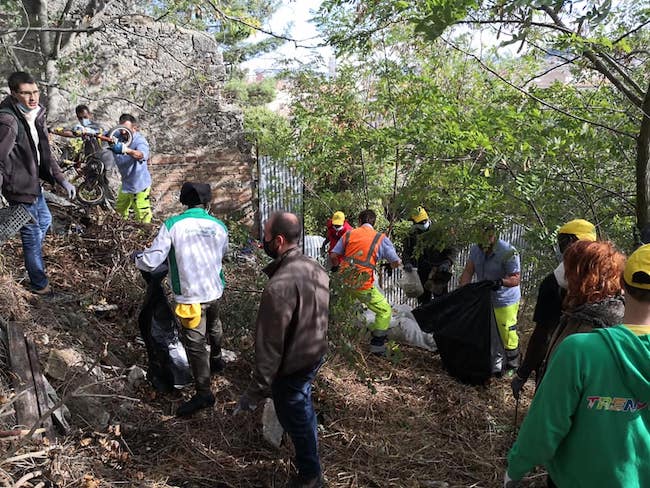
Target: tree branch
(231, 18)
(613, 194)
(88, 30)
(539, 100)
(12, 55)
(520, 22)
(628, 33)
(59, 35)
(617, 67)
(553, 68)
(598, 64)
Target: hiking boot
(378, 345)
(512, 358)
(298, 481)
(44, 292)
(197, 402)
(217, 366)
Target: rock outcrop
(170, 79)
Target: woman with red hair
(594, 272)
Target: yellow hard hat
(637, 268)
(582, 229)
(338, 218)
(419, 215)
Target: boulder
(61, 363)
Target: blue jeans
(32, 236)
(295, 411)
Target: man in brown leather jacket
(25, 159)
(291, 341)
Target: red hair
(593, 270)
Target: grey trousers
(209, 331)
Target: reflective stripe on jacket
(361, 248)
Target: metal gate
(515, 236)
(279, 189)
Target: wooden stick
(18, 432)
(26, 478)
(27, 455)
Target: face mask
(24, 108)
(338, 227)
(85, 122)
(423, 226)
(272, 253)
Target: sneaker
(197, 402)
(298, 481)
(378, 345)
(217, 365)
(44, 292)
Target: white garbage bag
(410, 282)
(404, 329)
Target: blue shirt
(386, 249)
(503, 261)
(135, 175)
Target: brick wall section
(229, 173)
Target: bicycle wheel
(122, 134)
(91, 192)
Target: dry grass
(403, 425)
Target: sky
(297, 12)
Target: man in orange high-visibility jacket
(363, 248)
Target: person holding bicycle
(131, 161)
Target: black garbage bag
(465, 331)
(168, 364)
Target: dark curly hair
(594, 271)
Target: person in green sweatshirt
(589, 423)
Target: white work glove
(244, 405)
(509, 482)
(70, 189)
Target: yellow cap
(637, 268)
(338, 218)
(419, 215)
(190, 314)
(582, 229)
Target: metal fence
(281, 189)
(388, 281)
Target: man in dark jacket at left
(25, 159)
(290, 342)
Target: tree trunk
(33, 56)
(53, 101)
(643, 166)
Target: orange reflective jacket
(361, 247)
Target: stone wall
(171, 80)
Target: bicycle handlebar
(60, 131)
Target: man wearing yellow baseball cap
(337, 226)
(594, 401)
(548, 309)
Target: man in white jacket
(194, 243)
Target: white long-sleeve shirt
(195, 243)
